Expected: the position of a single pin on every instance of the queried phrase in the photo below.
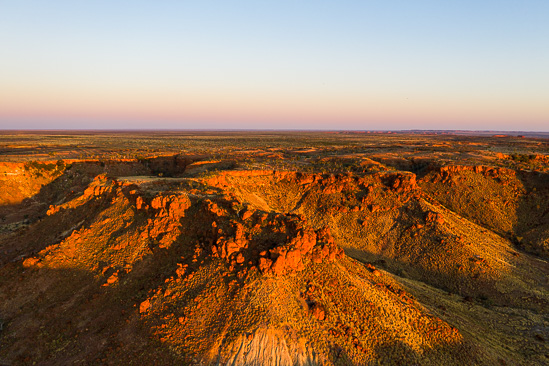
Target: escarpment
(163, 261)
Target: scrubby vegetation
(347, 249)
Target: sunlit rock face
(165, 261)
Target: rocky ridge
(204, 267)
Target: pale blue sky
(275, 64)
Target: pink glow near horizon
(255, 111)
(289, 65)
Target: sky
(284, 64)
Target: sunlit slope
(23, 180)
(204, 279)
(248, 268)
(387, 219)
(513, 204)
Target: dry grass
(118, 262)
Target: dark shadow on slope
(70, 184)
(169, 166)
(477, 193)
(399, 353)
(435, 254)
(19, 236)
(93, 313)
(532, 228)
(66, 317)
(44, 230)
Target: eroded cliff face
(24, 180)
(20, 181)
(265, 267)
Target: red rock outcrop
(288, 254)
(446, 173)
(432, 217)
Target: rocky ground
(340, 256)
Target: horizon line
(415, 130)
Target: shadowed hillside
(191, 260)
